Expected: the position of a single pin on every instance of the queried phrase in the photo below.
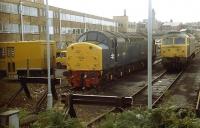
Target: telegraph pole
(49, 95)
(150, 56)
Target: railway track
(43, 99)
(198, 104)
(160, 86)
(99, 118)
(140, 97)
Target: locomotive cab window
(61, 54)
(179, 40)
(92, 36)
(101, 39)
(82, 38)
(167, 41)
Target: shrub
(53, 119)
(172, 117)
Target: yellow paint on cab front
(174, 50)
(84, 56)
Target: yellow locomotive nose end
(84, 56)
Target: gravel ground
(129, 85)
(122, 87)
(10, 87)
(184, 93)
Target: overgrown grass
(54, 119)
(172, 117)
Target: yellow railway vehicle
(25, 58)
(177, 49)
(61, 59)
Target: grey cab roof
(178, 34)
(106, 36)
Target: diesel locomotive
(177, 49)
(103, 55)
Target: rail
(159, 89)
(198, 104)
(153, 81)
(42, 80)
(117, 102)
(160, 97)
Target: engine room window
(167, 41)
(179, 41)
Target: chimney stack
(124, 12)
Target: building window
(73, 18)
(56, 15)
(66, 30)
(9, 28)
(42, 12)
(8, 8)
(65, 16)
(74, 31)
(29, 11)
(34, 29)
(56, 30)
(51, 32)
(79, 19)
(78, 31)
(50, 14)
(41, 29)
(50, 22)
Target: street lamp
(150, 55)
(49, 95)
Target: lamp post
(60, 28)
(22, 21)
(49, 95)
(150, 55)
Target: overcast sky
(137, 10)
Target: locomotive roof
(122, 35)
(106, 35)
(178, 34)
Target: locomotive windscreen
(93, 36)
